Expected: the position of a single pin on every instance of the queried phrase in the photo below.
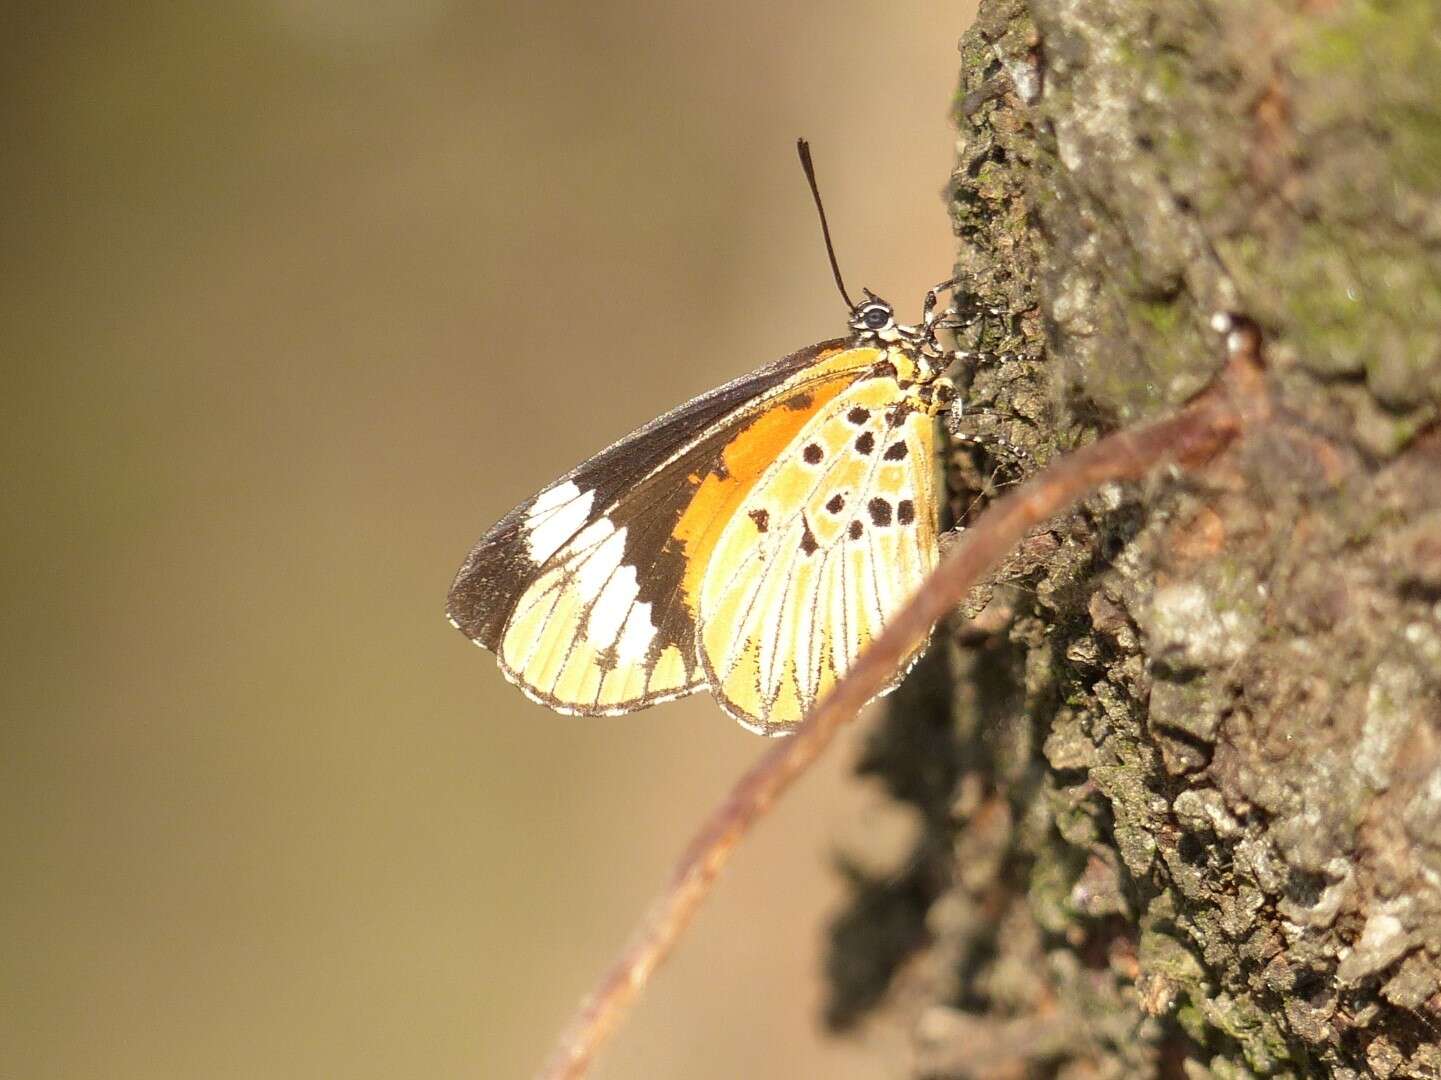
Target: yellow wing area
(831, 540)
(582, 638)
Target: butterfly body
(751, 541)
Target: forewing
(824, 549)
(587, 592)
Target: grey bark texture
(1176, 785)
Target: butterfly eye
(876, 316)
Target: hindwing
(830, 541)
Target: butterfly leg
(931, 321)
(993, 441)
(979, 468)
(928, 309)
(963, 313)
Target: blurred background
(299, 297)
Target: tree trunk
(1178, 780)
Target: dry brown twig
(1189, 438)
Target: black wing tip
(463, 622)
(489, 582)
(470, 607)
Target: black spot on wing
(895, 452)
(813, 454)
(836, 503)
(858, 415)
(905, 511)
(865, 443)
(808, 539)
(880, 512)
(855, 529)
(762, 519)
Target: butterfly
(750, 542)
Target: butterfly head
(874, 320)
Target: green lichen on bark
(1184, 804)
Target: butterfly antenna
(804, 149)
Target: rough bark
(1178, 782)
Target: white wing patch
(554, 517)
(829, 543)
(612, 607)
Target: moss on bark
(1183, 804)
